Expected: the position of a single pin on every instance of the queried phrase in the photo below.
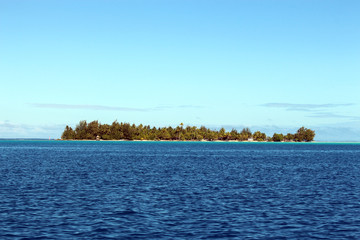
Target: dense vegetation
(125, 131)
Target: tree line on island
(125, 131)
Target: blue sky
(269, 65)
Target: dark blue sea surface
(182, 190)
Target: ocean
(178, 190)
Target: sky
(271, 65)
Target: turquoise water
(166, 190)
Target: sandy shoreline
(228, 141)
(204, 141)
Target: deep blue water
(113, 190)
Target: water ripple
(112, 190)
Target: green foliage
(164, 134)
(278, 137)
(234, 134)
(289, 137)
(81, 130)
(304, 135)
(126, 131)
(68, 133)
(222, 134)
(259, 136)
(93, 130)
(245, 134)
(116, 131)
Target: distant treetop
(126, 131)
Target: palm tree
(181, 129)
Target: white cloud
(108, 108)
(20, 130)
(305, 107)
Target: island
(125, 131)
